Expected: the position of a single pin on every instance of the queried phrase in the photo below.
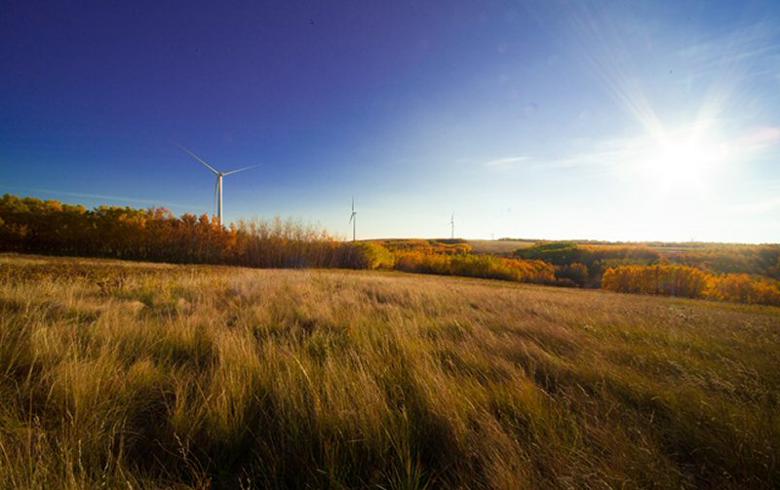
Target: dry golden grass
(116, 374)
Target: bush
(368, 255)
(558, 253)
(667, 280)
(445, 247)
(743, 288)
(681, 280)
(594, 258)
(484, 266)
(576, 274)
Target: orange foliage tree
(691, 282)
(485, 266)
(49, 227)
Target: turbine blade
(241, 169)
(198, 159)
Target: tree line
(30, 225)
(584, 264)
(729, 273)
(691, 282)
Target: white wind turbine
(218, 185)
(452, 226)
(353, 218)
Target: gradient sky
(616, 121)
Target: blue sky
(603, 120)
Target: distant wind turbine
(218, 184)
(452, 226)
(353, 218)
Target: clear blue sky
(620, 121)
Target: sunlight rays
(685, 150)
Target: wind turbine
(452, 226)
(353, 218)
(218, 184)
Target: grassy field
(133, 375)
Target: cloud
(104, 197)
(598, 154)
(760, 138)
(615, 152)
(506, 161)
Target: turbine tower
(452, 226)
(218, 184)
(353, 218)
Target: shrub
(446, 247)
(576, 273)
(743, 288)
(668, 280)
(368, 255)
(558, 253)
(484, 266)
(594, 258)
(681, 280)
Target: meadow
(142, 375)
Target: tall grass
(137, 375)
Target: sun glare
(684, 159)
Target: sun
(681, 159)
